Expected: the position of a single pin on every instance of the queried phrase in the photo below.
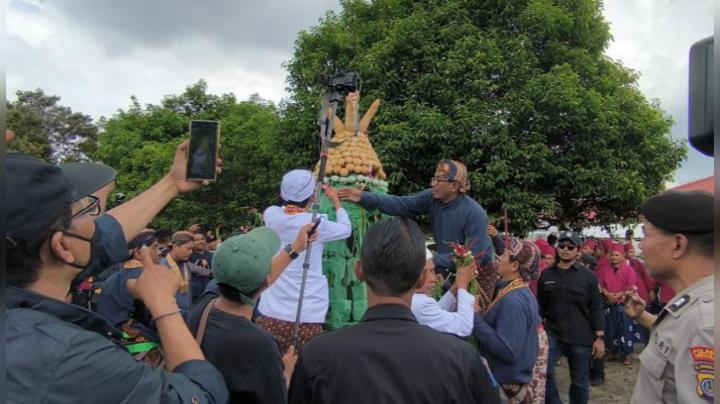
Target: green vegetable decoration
(352, 162)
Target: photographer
(54, 237)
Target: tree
(520, 91)
(49, 131)
(140, 143)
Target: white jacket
(441, 315)
(280, 300)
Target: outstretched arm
(407, 206)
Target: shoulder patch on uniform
(704, 362)
(679, 303)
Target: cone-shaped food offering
(352, 162)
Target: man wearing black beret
(678, 363)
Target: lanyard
(184, 286)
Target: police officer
(678, 364)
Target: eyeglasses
(439, 179)
(93, 209)
(568, 247)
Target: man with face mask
(96, 181)
(51, 239)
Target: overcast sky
(96, 54)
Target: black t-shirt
(248, 357)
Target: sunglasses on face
(93, 209)
(568, 247)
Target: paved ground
(618, 386)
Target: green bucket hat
(243, 261)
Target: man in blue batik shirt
(454, 216)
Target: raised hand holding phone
(203, 150)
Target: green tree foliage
(47, 130)
(140, 143)
(520, 91)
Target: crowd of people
(100, 308)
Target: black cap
(569, 235)
(88, 177)
(38, 193)
(681, 212)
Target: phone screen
(203, 149)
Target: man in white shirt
(278, 304)
(453, 314)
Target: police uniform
(677, 366)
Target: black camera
(340, 82)
(702, 127)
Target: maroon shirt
(644, 283)
(614, 280)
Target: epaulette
(679, 303)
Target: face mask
(93, 265)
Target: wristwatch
(288, 249)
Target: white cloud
(654, 38)
(31, 28)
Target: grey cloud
(122, 26)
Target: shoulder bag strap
(203, 321)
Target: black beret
(680, 212)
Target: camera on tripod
(340, 82)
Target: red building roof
(704, 184)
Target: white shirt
(280, 300)
(439, 315)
